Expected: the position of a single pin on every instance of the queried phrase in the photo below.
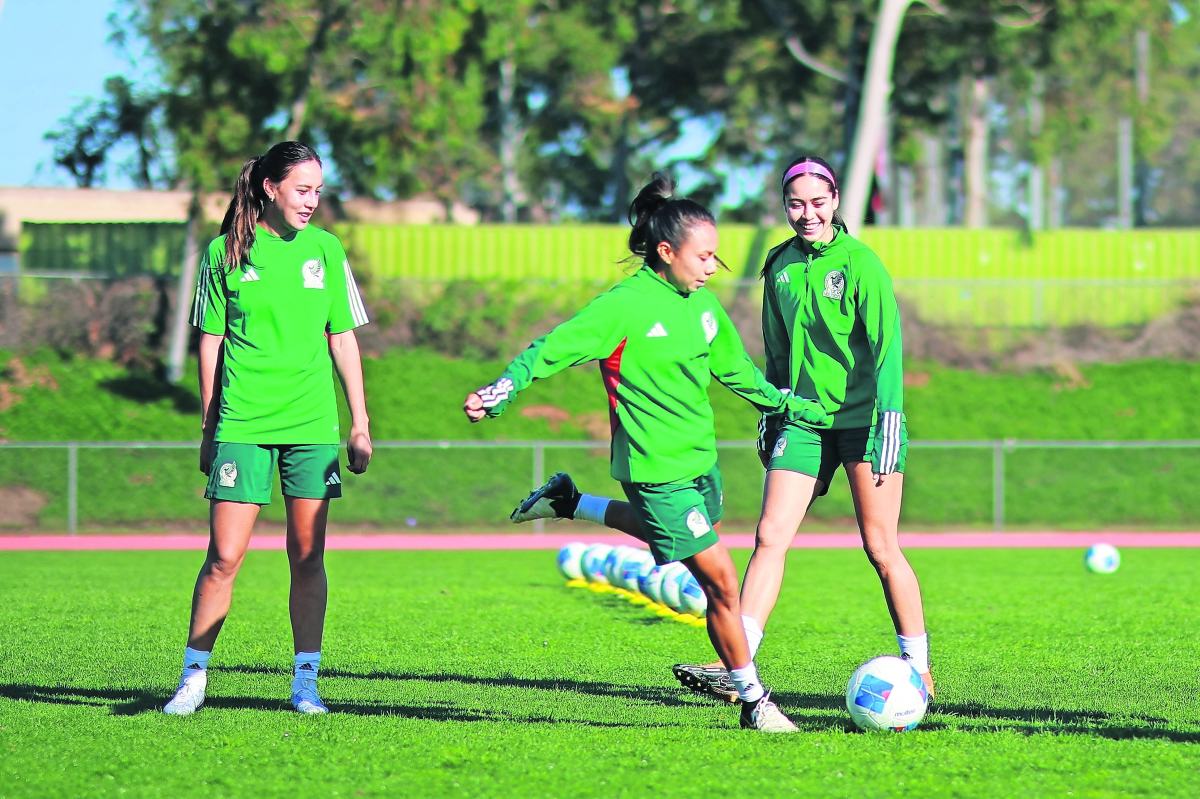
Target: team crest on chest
(709, 322)
(835, 286)
(314, 274)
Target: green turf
(480, 674)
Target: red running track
(557, 540)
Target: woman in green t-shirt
(276, 305)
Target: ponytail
(250, 198)
(658, 216)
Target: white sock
(754, 634)
(746, 680)
(195, 663)
(591, 508)
(307, 665)
(915, 649)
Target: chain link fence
(430, 485)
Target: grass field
(480, 674)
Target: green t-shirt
(276, 314)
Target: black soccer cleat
(711, 681)
(556, 499)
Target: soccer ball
(692, 597)
(1103, 559)
(570, 560)
(612, 563)
(886, 693)
(648, 566)
(672, 577)
(651, 584)
(592, 563)
(630, 567)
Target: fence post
(72, 486)
(998, 486)
(539, 471)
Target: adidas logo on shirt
(250, 275)
(784, 277)
(658, 331)
(333, 480)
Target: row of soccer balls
(885, 693)
(633, 569)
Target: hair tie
(808, 168)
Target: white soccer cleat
(556, 499)
(189, 697)
(765, 716)
(305, 699)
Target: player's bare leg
(309, 596)
(877, 500)
(230, 525)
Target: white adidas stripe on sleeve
(358, 311)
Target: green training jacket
(658, 350)
(832, 329)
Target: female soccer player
(276, 305)
(832, 331)
(660, 337)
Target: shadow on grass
(132, 702)
(146, 387)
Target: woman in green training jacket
(832, 331)
(660, 337)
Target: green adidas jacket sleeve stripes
(592, 334)
(875, 302)
(659, 350)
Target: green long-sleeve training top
(658, 350)
(832, 329)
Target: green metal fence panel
(117, 249)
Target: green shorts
(677, 518)
(799, 448)
(244, 472)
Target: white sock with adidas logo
(195, 664)
(307, 665)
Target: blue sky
(53, 53)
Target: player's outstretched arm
(344, 349)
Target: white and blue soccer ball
(691, 596)
(1103, 559)
(648, 565)
(612, 563)
(592, 562)
(570, 560)
(886, 694)
(630, 567)
(651, 584)
(672, 579)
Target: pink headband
(808, 168)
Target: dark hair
(812, 159)
(658, 216)
(250, 199)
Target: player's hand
(473, 407)
(206, 448)
(358, 451)
(878, 478)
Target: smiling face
(295, 199)
(689, 267)
(809, 203)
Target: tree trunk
(180, 331)
(869, 132)
(1055, 216)
(933, 200)
(510, 136)
(976, 153)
